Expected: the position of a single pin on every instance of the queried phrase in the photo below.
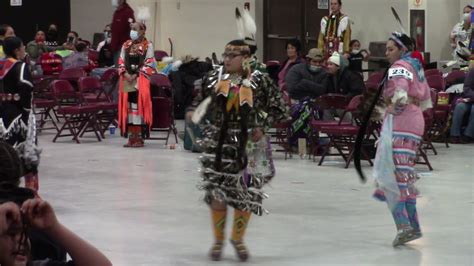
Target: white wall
(90, 16)
(373, 20)
(441, 17)
(200, 27)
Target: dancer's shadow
(409, 255)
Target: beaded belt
(9, 97)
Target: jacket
(121, 26)
(346, 82)
(301, 83)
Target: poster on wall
(417, 4)
(15, 2)
(323, 4)
(417, 28)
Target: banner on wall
(417, 28)
(417, 4)
(16, 3)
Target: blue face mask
(134, 35)
(314, 69)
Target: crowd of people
(238, 103)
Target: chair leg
(425, 158)
(326, 151)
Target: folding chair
(44, 104)
(92, 92)
(375, 78)
(342, 137)
(436, 82)
(455, 77)
(163, 107)
(77, 117)
(72, 75)
(160, 54)
(433, 72)
(326, 102)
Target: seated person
(293, 51)
(106, 57)
(21, 211)
(465, 105)
(71, 41)
(342, 81)
(307, 80)
(38, 46)
(80, 58)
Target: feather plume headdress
(246, 26)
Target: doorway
(289, 19)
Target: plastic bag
(384, 167)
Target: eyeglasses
(230, 56)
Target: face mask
(134, 35)
(466, 16)
(115, 3)
(314, 69)
(106, 35)
(355, 51)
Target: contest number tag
(400, 72)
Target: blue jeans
(458, 117)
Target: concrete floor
(142, 207)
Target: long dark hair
(10, 165)
(10, 44)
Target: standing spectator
(120, 26)
(464, 106)
(52, 38)
(461, 33)
(335, 32)
(293, 51)
(357, 56)
(5, 31)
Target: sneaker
(414, 234)
(403, 236)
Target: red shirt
(121, 26)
